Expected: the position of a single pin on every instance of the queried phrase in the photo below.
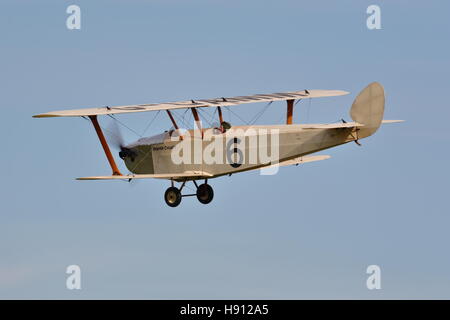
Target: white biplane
(204, 153)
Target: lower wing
(174, 176)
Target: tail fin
(368, 109)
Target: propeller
(115, 138)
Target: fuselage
(239, 149)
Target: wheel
(205, 193)
(172, 197)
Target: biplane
(200, 154)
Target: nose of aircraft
(126, 152)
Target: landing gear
(204, 194)
(173, 197)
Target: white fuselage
(239, 149)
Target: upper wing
(194, 103)
(187, 174)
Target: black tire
(205, 193)
(172, 196)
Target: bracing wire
(246, 122)
(204, 116)
(150, 123)
(124, 125)
(181, 119)
(260, 113)
(309, 107)
(211, 116)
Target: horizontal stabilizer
(187, 174)
(392, 121)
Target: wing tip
(45, 115)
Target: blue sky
(307, 232)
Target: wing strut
(219, 111)
(290, 111)
(101, 137)
(174, 122)
(197, 120)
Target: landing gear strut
(204, 194)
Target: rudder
(368, 109)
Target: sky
(308, 232)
